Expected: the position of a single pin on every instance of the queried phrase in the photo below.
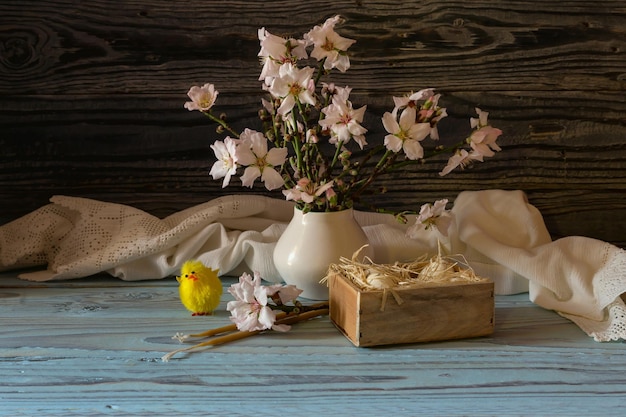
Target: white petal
(281, 327)
(393, 143)
(413, 149)
(390, 123)
(285, 107)
(267, 317)
(407, 118)
(358, 114)
(419, 131)
(249, 175)
(245, 156)
(276, 156)
(271, 179)
(218, 170)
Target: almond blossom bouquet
(313, 134)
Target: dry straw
(423, 272)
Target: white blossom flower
(328, 45)
(292, 84)
(406, 134)
(202, 98)
(226, 164)
(431, 215)
(252, 153)
(342, 120)
(249, 311)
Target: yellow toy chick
(200, 289)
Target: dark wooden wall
(92, 94)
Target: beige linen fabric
(501, 235)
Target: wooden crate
(429, 313)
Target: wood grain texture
(426, 314)
(93, 347)
(92, 95)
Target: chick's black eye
(193, 272)
(186, 275)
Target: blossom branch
(221, 122)
(307, 122)
(231, 336)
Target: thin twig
(233, 327)
(284, 319)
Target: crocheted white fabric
(499, 233)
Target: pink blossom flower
(276, 51)
(306, 191)
(460, 158)
(287, 293)
(249, 311)
(342, 120)
(411, 100)
(226, 164)
(483, 138)
(252, 152)
(293, 84)
(311, 136)
(431, 215)
(202, 98)
(328, 45)
(427, 112)
(406, 134)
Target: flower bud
(333, 200)
(311, 136)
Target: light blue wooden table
(93, 347)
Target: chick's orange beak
(192, 277)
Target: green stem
(296, 143)
(320, 71)
(434, 152)
(221, 123)
(336, 156)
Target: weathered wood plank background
(92, 96)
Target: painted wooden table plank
(93, 347)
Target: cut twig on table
(231, 334)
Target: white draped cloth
(501, 235)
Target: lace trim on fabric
(609, 286)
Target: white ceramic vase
(311, 242)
